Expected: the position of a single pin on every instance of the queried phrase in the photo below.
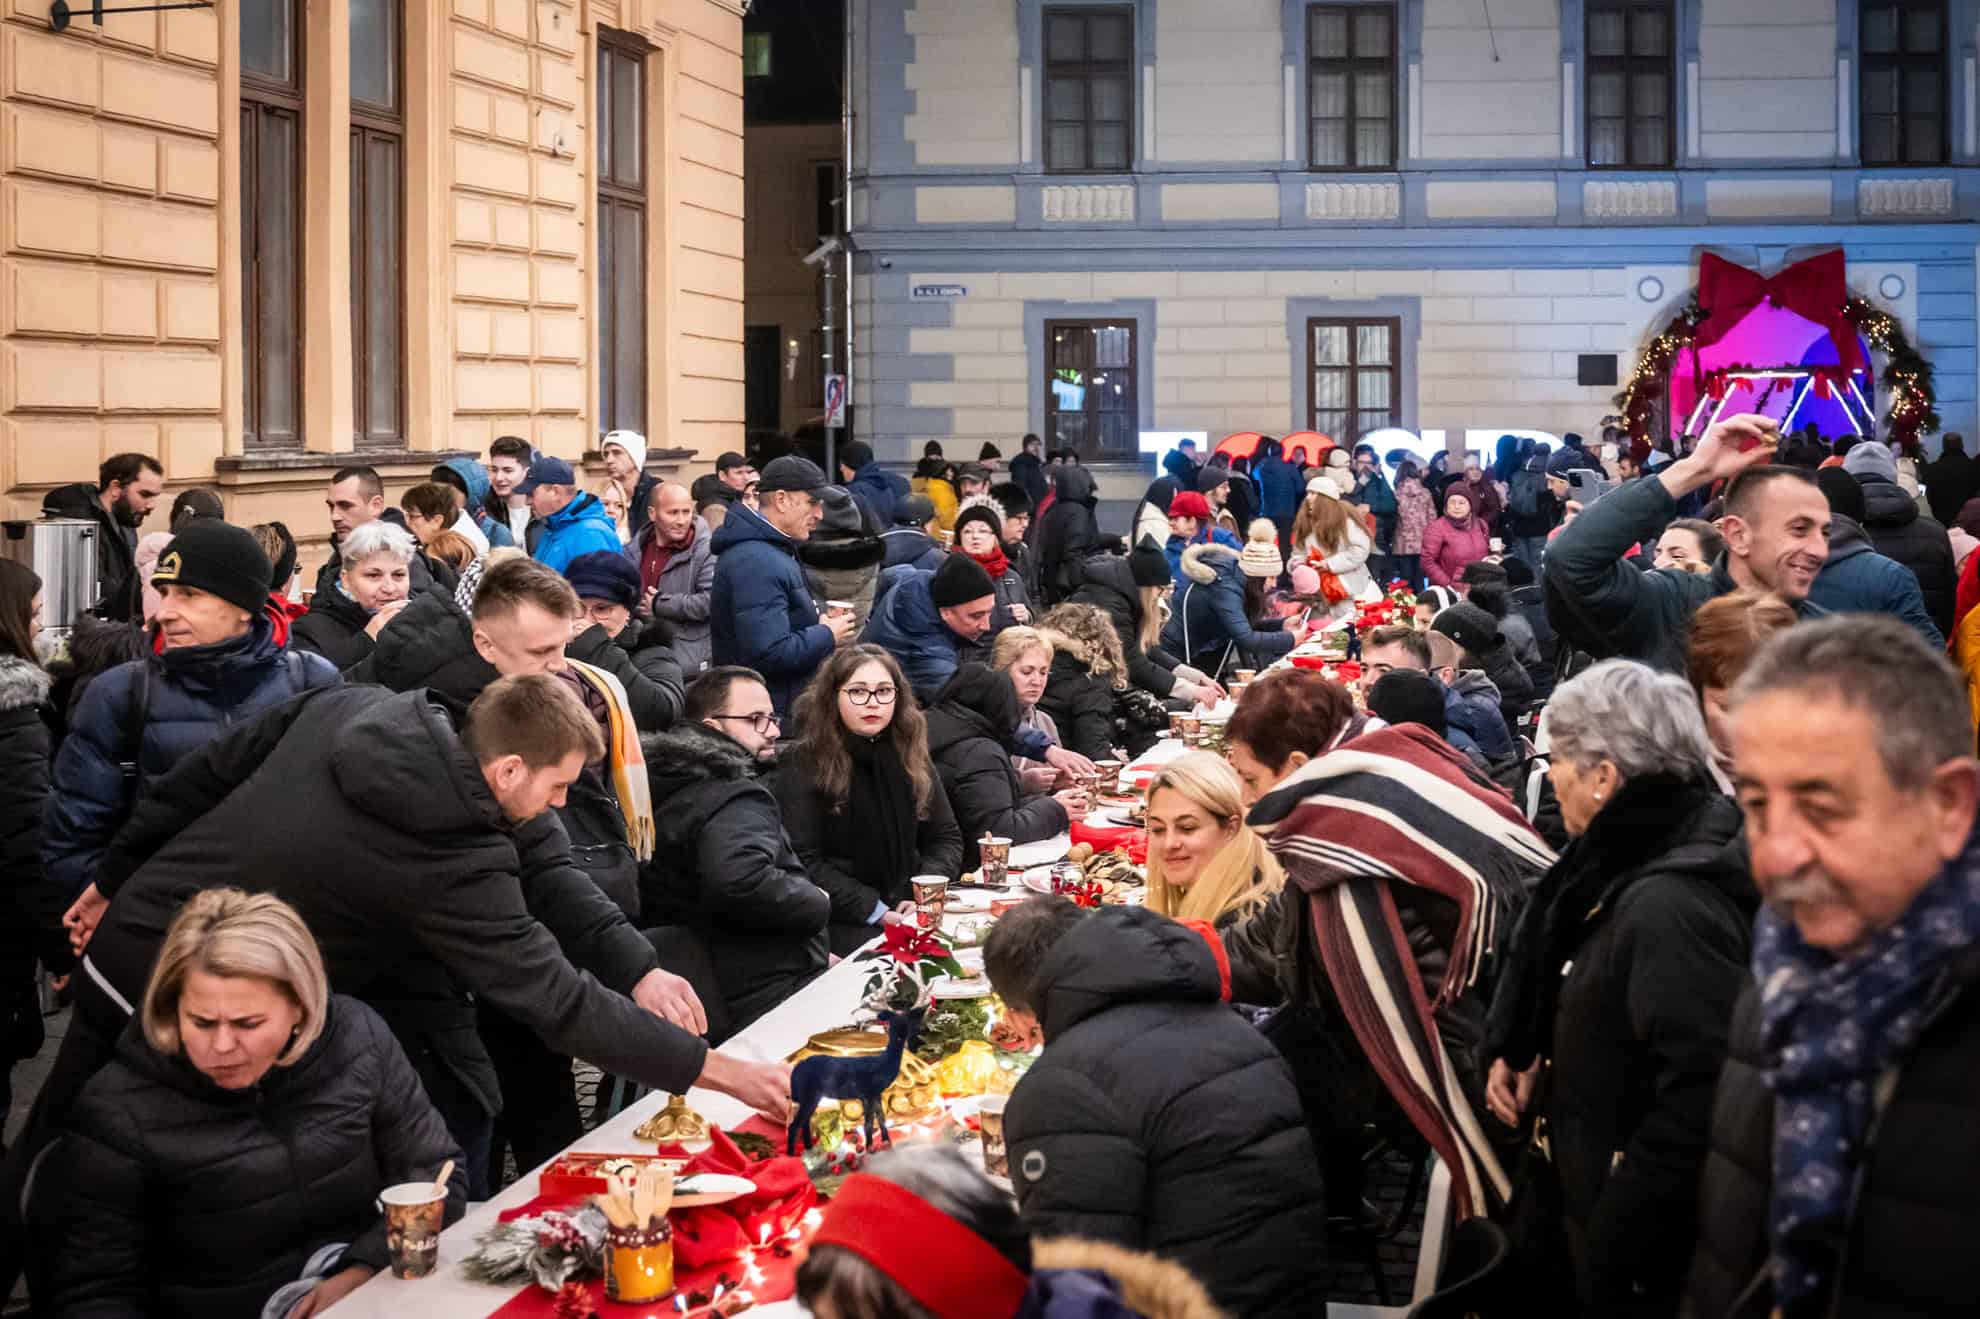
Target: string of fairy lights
(1907, 377)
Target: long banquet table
(825, 1003)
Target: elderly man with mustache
(1846, 1130)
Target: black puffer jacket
(968, 727)
(1106, 581)
(1159, 1119)
(334, 628)
(1916, 1213)
(723, 867)
(643, 662)
(429, 644)
(1067, 533)
(1650, 912)
(362, 810)
(168, 1196)
(1081, 705)
(1891, 520)
(30, 910)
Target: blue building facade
(1092, 218)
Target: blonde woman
(1026, 655)
(1203, 863)
(248, 1121)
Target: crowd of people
(1632, 878)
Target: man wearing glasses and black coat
(722, 865)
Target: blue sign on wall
(940, 291)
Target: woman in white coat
(1330, 535)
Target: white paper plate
(1038, 880)
(949, 988)
(710, 1188)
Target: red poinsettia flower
(908, 944)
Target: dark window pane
(1330, 345)
(628, 128)
(1066, 147)
(1374, 144)
(627, 360)
(1924, 31)
(375, 52)
(1880, 91)
(272, 337)
(602, 130)
(1605, 95)
(1649, 93)
(1649, 32)
(1109, 38)
(1330, 142)
(1110, 100)
(1065, 99)
(1110, 146)
(1371, 34)
(1880, 31)
(268, 40)
(1649, 139)
(1605, 142)
(1327, 34)
(1922, 88)
(377, 293)
(1922, 145)
(1065, 38)
(1328, 96)
(1880, 140)
(1605, 33)
(1371, 96)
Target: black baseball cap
(791, 472)
(729, 460)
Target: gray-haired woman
(344, 622)
(1622, 978)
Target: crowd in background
(1664, 790)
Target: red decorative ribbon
(1814, 289)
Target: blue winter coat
(476, 478)
(879, 491)
(907, 625)
(579, 527)
(188, 697)
(1858, 580)
(1280, 487)
(1473, 709)
(761, 611)
(911, 545)
(1209, 615)
(1204, 536)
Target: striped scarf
(623, 755)
(1400, 807)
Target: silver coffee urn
(62, 553)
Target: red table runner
(714, 1245)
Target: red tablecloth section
(710, 1241)
(1106, 839)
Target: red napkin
(1106, 839)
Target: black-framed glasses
(869, 695)
(762, 723)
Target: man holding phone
(1776, 526)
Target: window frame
(1394, 325)
(263, 98)
(1350, 65)
(1086, 70)
(370, 121)
(1629, 65)
(617, 200)
(1939, 62)
(1090, 452)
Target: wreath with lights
(1907, 375)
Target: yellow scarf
(628, 763)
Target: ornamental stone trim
(1629, 199)
(1353, 201)
(1089, 203)
(1908, 197)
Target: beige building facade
(266, 239)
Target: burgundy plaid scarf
(1400, 806)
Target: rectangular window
(1091, 401)
(825, 191)
(1356, 375)
(756, 54)
(271, 224)
(1631, 74)
(1089, 90)
(1902, 110)
(1351, 87)
(621, 232)
(378, 304)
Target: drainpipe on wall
(845, 190)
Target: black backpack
(1523, 493)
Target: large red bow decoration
(1814, 289)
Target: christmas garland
(1907, 375)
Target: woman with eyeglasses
(860, 796)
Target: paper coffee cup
(931, 893)
(413, 1213)
(845, 606)
(1246, 675)
(996, 857)
(990, 1124)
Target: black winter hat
(1212, 476)
(1013, 498)
(958, 581)
(218, 558)
(1148, 565)
(1845, 496)
(987, 452)
(986, 514)
(914, 511)
(604, 575)
(1407, 696)
(856, 455)
(1469, 626)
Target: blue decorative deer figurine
(864, 1079)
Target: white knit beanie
(1261, 556)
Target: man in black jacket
(1157, 1118)
(1891, 521)
(722, 865)
(357, 496)
(127, 485)
(1950, 481)
(446, 859)
(1776, 527)
(1847, 1122)
(640, 655)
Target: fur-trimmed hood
(1152, 1287)
(22, 684)
(1205, 563)
(1086, 634)
(693, 753)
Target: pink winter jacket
(1448, 547)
